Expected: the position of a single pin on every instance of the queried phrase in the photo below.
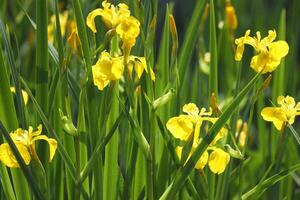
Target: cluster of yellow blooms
(109, 68)
(24, 141)
(269, 55)
(188, 126)
(185, 127)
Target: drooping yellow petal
(99, 79)
(52, 144)
(218, 160)
(259, 62)
(90, 20)
(239, 52)
(240, 42)
(8, 158)
(273, 114)
(278, 49)
(181, 127)
(279, 124)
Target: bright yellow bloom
(110, 68)
(182, 126)
(140, 65)
(110, 14)
(127, 27)
(187, 126)
(107, 69)
(63, 19)
(218, 160)
(24, 140)
(231, 18)
(285, 113)
(269, 53)
(24, 94)
(128, 30)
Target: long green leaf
(256, 191)
(42, 54)
(190, 37)
(98, 150)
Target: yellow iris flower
(117, 17)
(269, 53)
(128, 30)
(285, 113)
(24, 94)
(24, 140)
(107, 69)
(111, 15)
(186, 126)
(110, 68)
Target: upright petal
(269, 39)
(191, 109)
(271, 114)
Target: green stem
(77, 153)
